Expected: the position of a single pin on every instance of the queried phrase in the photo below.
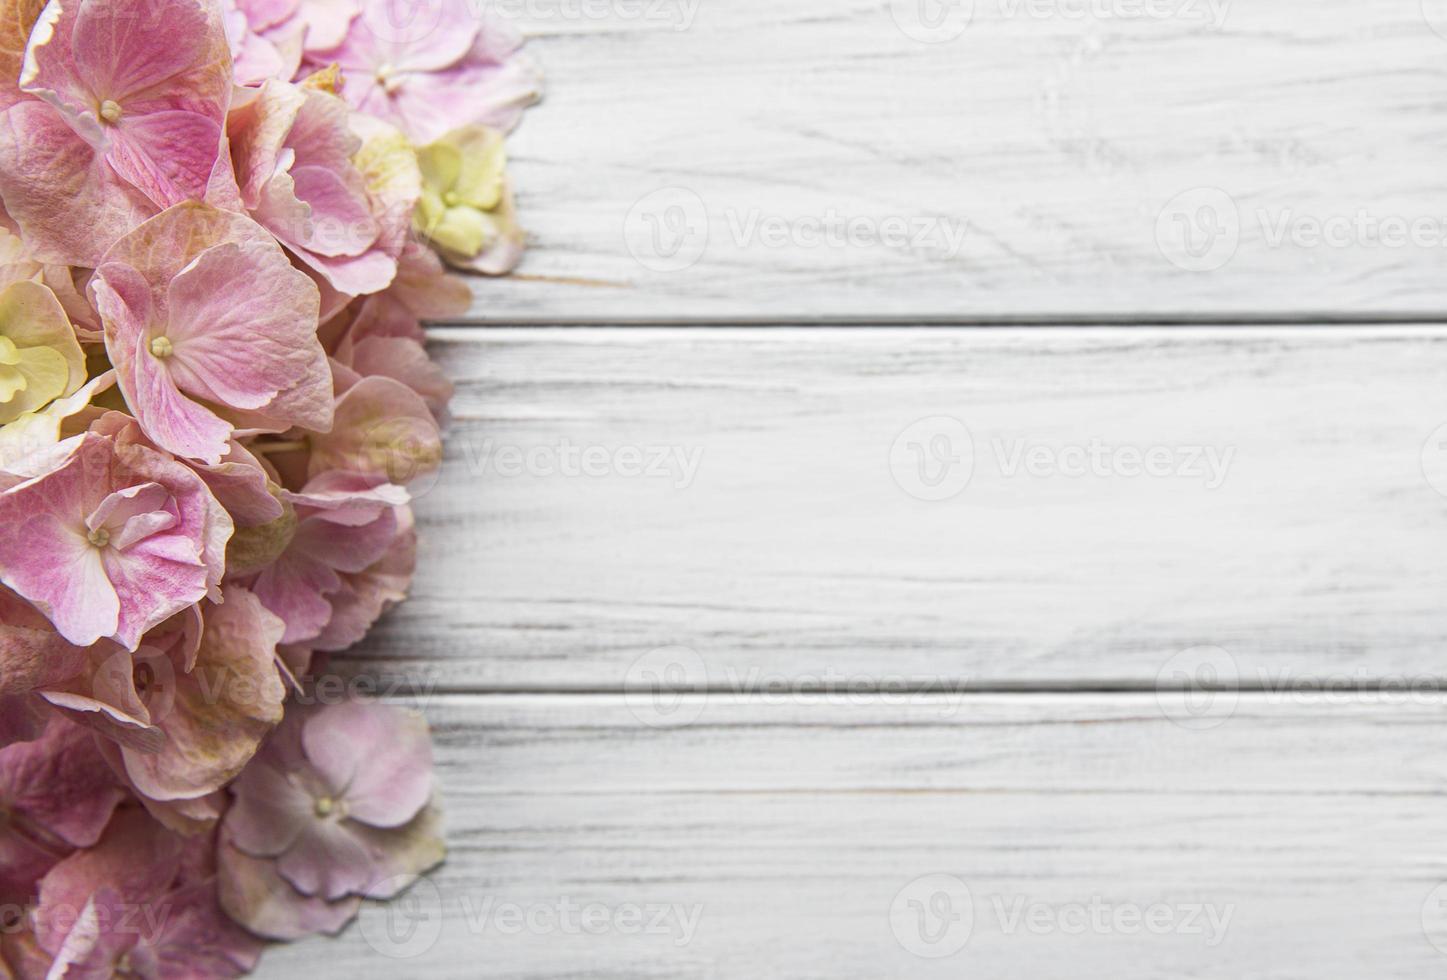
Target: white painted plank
(1055, 141)
(793, 557)
(783, 832)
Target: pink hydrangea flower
(383, 429)
(429, 67)
(141, 903)
(266, 38)
(127, 116)
(346, 523)
(188, 711)
(338, 802)
(211, 329)
(32, 655)
(56, 794)
(293, 149)
(109, 540)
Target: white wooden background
(746, 705)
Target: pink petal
(137, 858)
(254, 894)
(70, 205)
(328, 860)
(60, 783)
(295, 587)
(271, 809)
(342, 222)
(380, 427)
(236, 344)
(400, 855)
(31, 654)
(223, 708)
(366, 594)
(381, 754)
(240, 484)
(140, 49)
(199, 940)
(57, 569)
(171, 420)
(168, 155)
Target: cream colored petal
(32, 317)
(466, 231)
(12, 383)
(44, 372)
(441, 165)
(484, 163)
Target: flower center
(100, 537)
(161, 346)
(326, 806)
(110, 111)
(451, 199)
(387, 78)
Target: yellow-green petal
(441, 164)
(464, 230)
(484, 162)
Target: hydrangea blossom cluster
(223, 224)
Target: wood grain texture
(794, 557)
(784, 831)
(1052, 136)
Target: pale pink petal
(58, 570)
(123, 50)
(254, 894)
(365, 595)
(271, 810)
(295, 587)
(172, 421)
(234, 343)
(380, 427)
(400, 855)
(70, 205)
(96, 940)
(381, 754)
(328, 860)
(168, 155)
(241, 485)
(406, 361)
(342, 221)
